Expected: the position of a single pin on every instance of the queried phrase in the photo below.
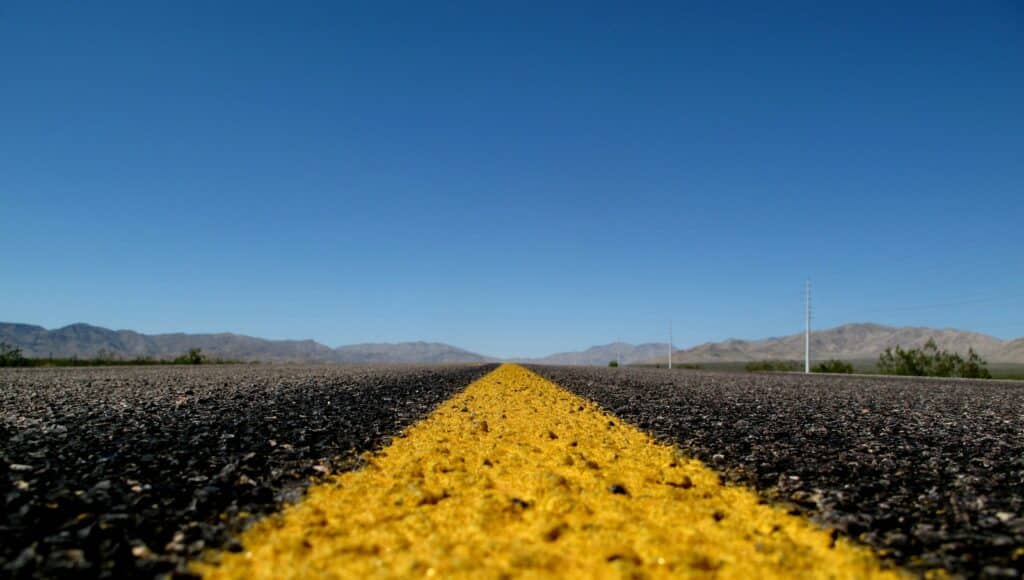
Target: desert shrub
(10, 356)
(833, 366)
(193, 357)
(974, 367)
(772, 366)
(931, 361)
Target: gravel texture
(929, 472)
(115, 472)
(516, 478)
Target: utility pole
(669, 344)
(807, 327)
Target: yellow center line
(516, 476)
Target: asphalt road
(119, 472)
(928, 472)
(516, 478)
(134, 471)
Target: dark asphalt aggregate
(116, 472)
(928, 472)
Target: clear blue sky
(515, 178)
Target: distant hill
(85, 341)
(863, 341)
(1012, 351)
(603, 354)
(406, 352)
(849, 342)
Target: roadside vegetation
(677, 366)
(927, 361)
(931, 361)
(759, 366)
(998, 370)
(833, 366)
(11, 356)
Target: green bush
(10, 356)
(772, 366)
(931, 361)
(833, 366)
(974, 367)
(613, 363)
(194, 357)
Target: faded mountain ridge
(863, 341)
(85, 341)
(603, 354)
(406, 352)
(860, 341)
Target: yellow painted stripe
(516, 476)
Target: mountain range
(862, 341)
(85, 341)
(623, 352)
